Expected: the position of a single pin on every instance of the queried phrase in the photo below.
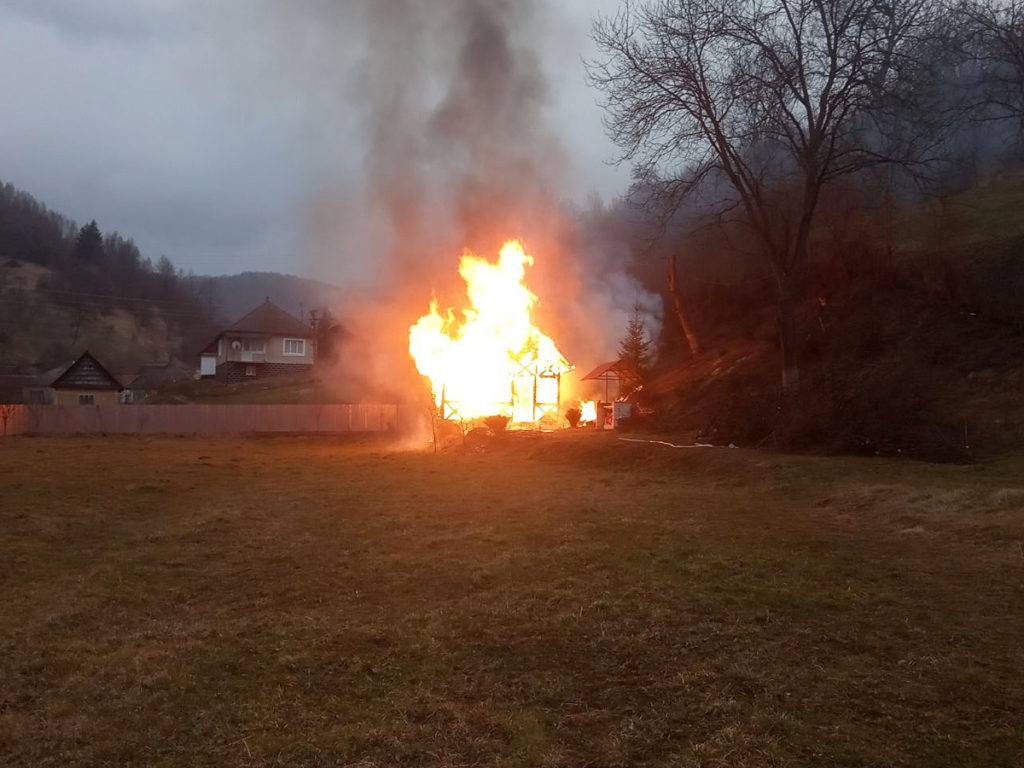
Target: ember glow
(489, 359)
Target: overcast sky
(150, 117)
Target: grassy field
(571, 600)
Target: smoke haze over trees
(906, 157)
(773, 100)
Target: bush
(496, 424)
(573, 416)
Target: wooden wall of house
(99, 396)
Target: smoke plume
(450, 101)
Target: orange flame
(588, 412)
(492, 360)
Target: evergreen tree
(635, 347)
(89, 243)
(329, 334)
(167, 277)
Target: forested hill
(65, 287)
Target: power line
(103, 296)
(79, 299)
(163, 312)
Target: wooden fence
(195, 419)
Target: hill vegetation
(875, 270)
(911, 336)
(64, 288)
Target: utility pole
(314, 322)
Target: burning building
(489, 359)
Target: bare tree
(764, 103)
(992, 34)
(7, 411)
(677, 305)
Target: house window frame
(86, 398)
(286, 353)
(250, 345)
(250, 370)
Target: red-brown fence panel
(198, 419)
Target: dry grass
(571, 600)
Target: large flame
(491, 360)
(588, 412)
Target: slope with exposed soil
(40, 328)
(922, 357)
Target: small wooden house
(82, 382)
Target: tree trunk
(677, 304)
(787, 333)
(790, 266)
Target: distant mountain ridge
(66, 288)
(234, 295)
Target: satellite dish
(236, 345)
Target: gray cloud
(96, 21)
(179, 123)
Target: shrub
(573, 416)
(496, 423)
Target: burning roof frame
(448, 410)
(617, 371)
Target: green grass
(567, 600)
(267, 394)
(288, 388)
(979, 218)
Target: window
(254, 345)
(86, 399)
(295, 347)
(250, 370)
(37, 396)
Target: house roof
(616, 370)
(12, 386)
(85, 373)
(269, 319)
(152, 376)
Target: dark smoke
(459, 153)
(449, 99)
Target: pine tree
(635, 347)
(89, 243)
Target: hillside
(66, 288)
(920, 352)
(40, 328)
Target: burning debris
(490, 359)
(606, 414)
(588, 412)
